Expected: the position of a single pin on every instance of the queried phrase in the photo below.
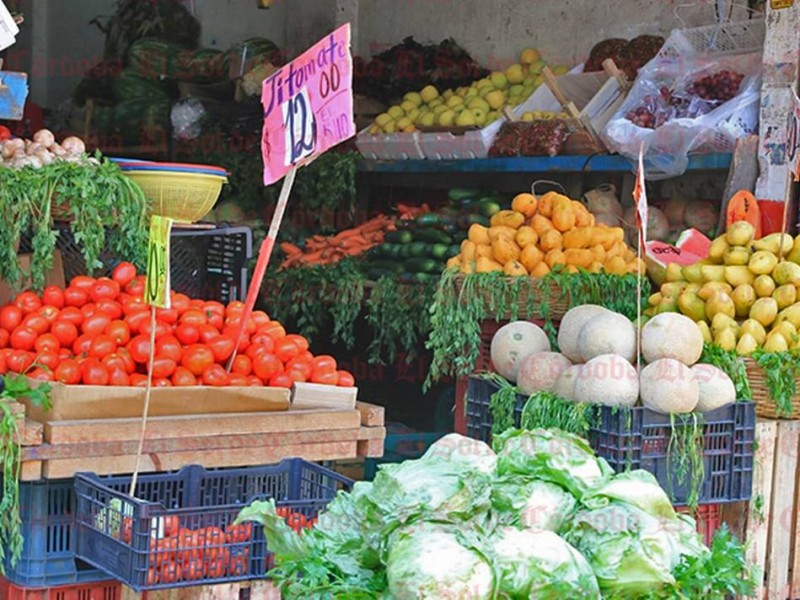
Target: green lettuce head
(532, 504)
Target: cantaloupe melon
(607, 379)
(716, 388)
(565, 384)
(512, 343)
(608, 333)
(672, 335)
(669, 386)
(571, 326)
(539, 372)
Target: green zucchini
(440, 251)
(453, 250)
(459, 194)
(399, 237)
(418, 249)
(427, 220)
(432, 236)
(386, 265)
(488, 207)
(422, 265)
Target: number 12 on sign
(301, 128)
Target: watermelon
(131, 85)
(154, 58)
(692, 246)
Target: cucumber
(422, 265)
(432, 236)
(489, 207)
(466, 220)
(399, 237)
(459, 194)
(418, 249)
(440, 251)
(427, 220)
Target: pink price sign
(308, 105)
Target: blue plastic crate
(129, 538)
(641, 442)
(48, 554)
(400, 447)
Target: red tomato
(213, 307)
(286, 350)
(3, 365)
(216, 376)
(132, 304)
(93, 372)
(282, 380)
(172, 526)
(19, 361)
(183, 377)
(169, 347)
(65, 353)
(87, 310)
(217, 569)
(41, 375)
(28, 302)
(136, 287)
(102, 346)
(216, 320)
(255, 381)
(95, 325)
(123, 273)
(136, 320)
(301, 365)
(308, 356)
(163, 551)
(263, 340)
(119, 331)
(222, 347)
(297, 521)
(163, 367)
(68, 372)
(118, 377)
(138, 380)
(299, 340)
(47, 343)
(23, 338)
(260, 318)
(187, 334)
(36, 322)
(324, 363)
(266, 366)
(244, 341)
(194, 317)
(139, 349)
(239, 534)
(110, 307)
(53, 296)
(72, 315)
(207, 333)
(10, 317)
(153, 577)
(325, 377)
(235, 322)
(180, 302)
(50, 360)
(75, 297)
(238, 380)
(274, 330)
(83, 282)
(346, 379)
(50, 313)
(234, 309)
(297, 375)
(104, 289)
(5, 338)
(167, 315)
(113, 362)
(242, 365)
(162, 383)
(197, 359)
(82, 345)
(162, 329)
(130, 364)
(193, 570)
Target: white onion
(16, 145)
(45, 156)
(74, 145)
(35, 162)
(58, 150)
(8, 150)
(33, 148)
(44, 137)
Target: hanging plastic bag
(687, 104)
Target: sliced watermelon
(692, 246)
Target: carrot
(290, 249)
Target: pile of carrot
(321, 250)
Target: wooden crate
(255, 590)
(59, 449)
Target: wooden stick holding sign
(793, 156)
(642, 214)
(308, 109)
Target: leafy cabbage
(638, 488)
(459, 449)
(532, 504)
(539, 564)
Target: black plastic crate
(48, 555)
(639, 439)
(205, 263)
(178, 531)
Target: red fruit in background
(183, 377)
(187, 334)
(136, 287)
(112, 308)
(119, 331)
(102, 346)
(162, 328)
(87, 310)
(260, 318)
(135, 320)
(194, 317)
(113, 362)
(131, 304)
(179, 302)
(82, 345)
(41, 375)
(301, 342)
(266, 366)
(23, 338)
(72, 315)
(216, 376)
(28, 302)
(50, 360)
(50, 313)
(197, 359)
(169, 347)
(242, 365)
(238, 380)
(163, 367)
(222, 347)
(255, 381)
(118, 377)
(346, 379)
(53, 296)
(75, 297)
(10, 317)
(281, 380)
(139, 380)
(96, 324)
(325, 377)
(167, 315)
(123, 273)
(234, 309)
(286, 350)
(3, 365)
(47, 343)
(139, 349)
(93, 372)
(83, 282)
(207, 332)
(5, 338)
(19, 361)
(68, 372)
(301, 365)
(36, 322)
(130, 364)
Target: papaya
(507, 218)
(483, 251)
(578, 257)
(501, 230)
(530, 257)
(541, 224)
(525, 204)
(487, 265)
(540, 270)
(504, 250)
(554, 257)
(526, 236)
(468, 249)
(515, 269)
(478, 234)
(580, 237)
(550, 240)
(563, 218)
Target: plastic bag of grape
(691, 104)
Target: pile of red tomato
(97, 332)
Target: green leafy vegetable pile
(543, 517)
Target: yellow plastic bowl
(179, 196)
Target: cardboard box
(54, 277)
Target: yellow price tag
(781, 4)
(158, 284)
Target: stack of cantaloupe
(542, 234)
(598, 357)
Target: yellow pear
(726, 340)
(772, 243)
(673, 289)
(447, 118)
(776, 343)
(736, 255)
(787, 330)
(794, 255)
(479, 103)
(712, 287)
(740, 233)
(390, 127)
(713, 272)
(762, 262)
(755, 329)
(764, 286)
(747, 345)
(515, 74)
(785, 296)
(674, 272)
(743, 298)
(786, 272)
(429, 93)
(720, 303)
(717, 249)
(404, 123)
(667, 305)
(427, 120)
(396, 112)
(737, 275)
(496, 99)
(529, 56)
(792, 314)
(383, 119)
(481, 116)
(454, 101)
(466, 119)
(693, 274)
(408, 106)
(764, 310)
(722, 321)
(705, 331)
(499, 80)
(691, 306)
(655, 299)
(413, 97)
